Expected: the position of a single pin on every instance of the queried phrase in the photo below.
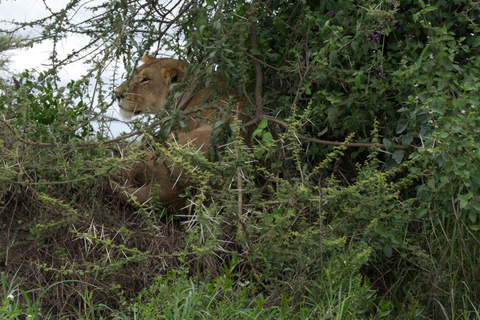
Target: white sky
(28, 10)
(36, 57)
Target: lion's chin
(127, 114)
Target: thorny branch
(156, 123)
(314, 140)
(78, 145)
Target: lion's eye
(144, 79)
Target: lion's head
(149, 87)
(147, 93)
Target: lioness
(147, 93)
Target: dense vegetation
(357, 196)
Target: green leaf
(381, 231)
(217, 125)
(388, 250)
(444, 180)
(333, 57)
(201, 30)
(472, 215)
(395, 240)
(475, 41)
(421, 213)
(476, 205)
(255, 133)
(255, 52)
(398, 156)
(415, 17)
(388, 144)
(407, 139)
(358, 77)
(446, 63)
(402, 125)
(463, 200)
(263, 124)
(166, 131)
(267, 137)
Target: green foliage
(379, 219)
(177, 296)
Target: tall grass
(19, 304)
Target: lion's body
(147, 93)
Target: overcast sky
(28, 10)
(34, 58)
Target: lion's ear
(146, 58)
(172, 75)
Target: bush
(356, 196)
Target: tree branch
(324, 142)
(77, 145)
(258, 67)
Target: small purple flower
(16, 82)
(330, 13)
(369, 39)
(399, 29)
(431, 56)
(463, 111)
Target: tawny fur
(147, 93)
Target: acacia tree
(7, 43)
(361, 176)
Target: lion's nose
(119, 94)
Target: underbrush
(380, 219)
(268, 233)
